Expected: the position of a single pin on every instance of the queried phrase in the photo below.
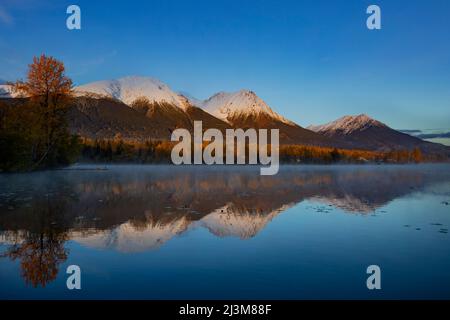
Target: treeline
(154, 151)
(312, 154)
(116, 150)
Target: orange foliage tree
(43, 138)
(40, 256)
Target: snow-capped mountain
(244, 109)
(128, 89)
(129, 238)
(364, 132)
(229, 221)
(169, 110)
(244, 103)
(165, 111)
(6, 91)
(348, 124)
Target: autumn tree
(40, 256)
(41, 248)
(417, 155)
(335, 155)
(38, 125)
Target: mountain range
(142, 108)
(168, 110)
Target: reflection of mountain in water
(228, 221)
(129, 237)
(140, 208)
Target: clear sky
(310, 60)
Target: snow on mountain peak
(128, 238)
(224, 105)
(228, 221)
(7, 91)
(348, 124)
(130, 88)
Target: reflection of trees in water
(40, 249)
(40, 256)
(108, 199)
(139, 210)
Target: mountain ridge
(363, 132)
(129, 89)
(228, 105)
(348, 124)
(241, 109)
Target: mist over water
(226, 232)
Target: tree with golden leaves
(417, 155)
(40, 256)
(43, 139)
(46, 82)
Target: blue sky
(312, 61)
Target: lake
(197, 232)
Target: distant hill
(364, 132)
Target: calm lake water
(165, 232)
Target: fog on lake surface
(226, 232)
